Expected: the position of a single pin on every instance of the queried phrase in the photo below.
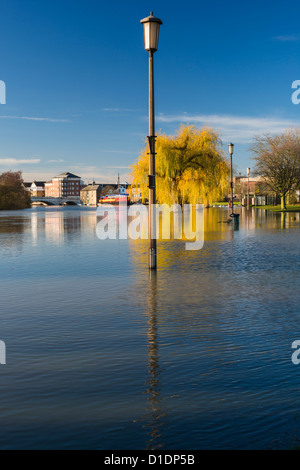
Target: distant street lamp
(230, 148)
(248, 199)
(151, 33)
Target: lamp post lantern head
(151, 26)
(248, 171)
(230, 148)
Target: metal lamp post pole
(152, 185)
(235, 217)
(151, 26)
(231, 184)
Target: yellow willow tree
(190, 168)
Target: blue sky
(76, 79)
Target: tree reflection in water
(12, 230)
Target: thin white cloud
(88, 173)
(119, 110)
(21, 161)
(236, 128)
(94, 173)
(116, 151)
(113, 110)
(116, 167)
(287, 38)
(31, 118)
(55, 161)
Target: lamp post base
(152, 258)
(235, 220)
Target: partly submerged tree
(190, 168)
(278, 162)
(12, 192)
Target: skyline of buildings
(68, 185)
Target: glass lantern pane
(154, 35)
(157, 33)
(147, 35)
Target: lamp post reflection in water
(154, 413)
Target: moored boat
(114, 199)
(119, 197)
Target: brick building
(64, 185)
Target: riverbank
(289, 208)
(224, 204)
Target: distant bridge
(56, 201)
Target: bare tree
(278, 161)
(106, 190)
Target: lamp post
(151, 33)
(248, 199)
(230, 148)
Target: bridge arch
(42, 203)
(55, 201)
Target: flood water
(101, 355)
